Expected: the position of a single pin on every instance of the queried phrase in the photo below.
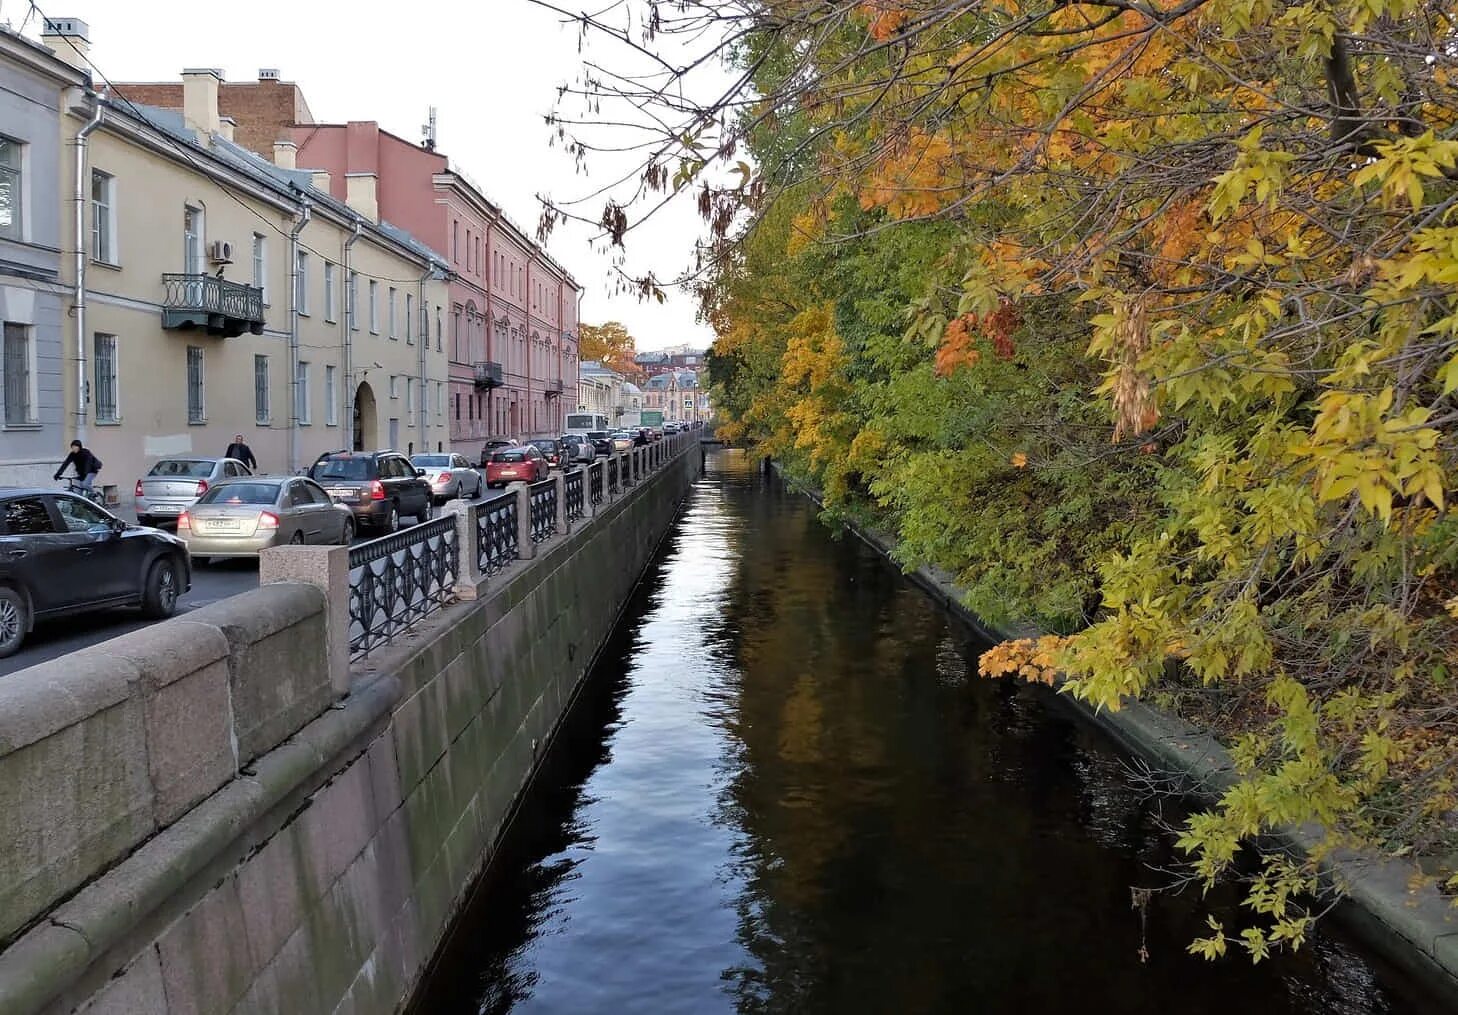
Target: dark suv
(378, 487)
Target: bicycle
(91, 493)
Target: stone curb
(1415, 929)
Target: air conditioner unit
(220, 252)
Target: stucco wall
(324, 875)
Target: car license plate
(344, 494)
(220, 524)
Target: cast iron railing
(614, 484)
(595, 482)
(211, 303)
(574, 492)
(495, 533)
(544, 509)
(396, 580)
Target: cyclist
(86, 464)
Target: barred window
(196, 386)
(105, 393)
(17, 375)
(262, 410)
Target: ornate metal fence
(396, 580)
(575, 492)
(614, 483)
(595, 482)
(544, 509)
(495, 533)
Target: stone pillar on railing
(469, 578)
(625, 470)
(526, 547)
(587, 509)
(327, 569)
(563, 527)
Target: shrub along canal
(784, 788)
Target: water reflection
(783, 790)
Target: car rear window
(546, 445)
(344, 468)
(509, 456)
(597, 435)
(182, 468)
(430, 461)
(240, 493)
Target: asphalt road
(209, 584)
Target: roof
(651, 357)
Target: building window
(456, 336)
(458, 407)
(437, 328)
(409, 398)
(11, 226)
(468, 250)
(353, 298)
(105, 394)
(409, 314)
(262, 411)
(470, 409)
(260, 265)
(439, 400)
(329, 314)
(301, 394)
(374, 307)
(478, 253)
(394, 385)
(392, 311)
(301, 283)
(196, 386)
(331, 411)
(18, 405)
(192, 240)
(456, 241)
(103, 217)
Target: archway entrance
(366, 426)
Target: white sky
(491, 68)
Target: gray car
(579, 448)
(239, 517)
(171, 486)
(450, 475)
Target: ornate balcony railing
(575, 493)
(495, 533)
(396, 580)
(211, 304)
(488, 375)
(595, 475)
(552, 389)
(544, 509)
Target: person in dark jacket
(86, 464)
(240, 452)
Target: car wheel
(13, 621)
(348, 531)
(297, 539)
(159, 594)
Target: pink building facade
(511, 328)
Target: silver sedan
(450, 476)
(173, 484)
(239, 517)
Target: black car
(602, 441)
(494, 444)
(377, 486)
(61, 554)
(551, 449)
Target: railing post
(469, 578)
(526, 549)
(588, 511)
(562, 525)
(327, 569)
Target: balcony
(552, 389)
(211, 304)
(488, 376)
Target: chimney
(200, 100)
(268, 74)
(321, 180)
(360, 194)
(69, 40)
(226, 126)
(286, 155)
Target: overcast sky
(490, 68)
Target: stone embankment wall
(199, 818)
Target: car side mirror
(420, 472)
(117, 526)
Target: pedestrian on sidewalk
(87, 465)
(240, 452)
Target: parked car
(494, 444)
(173, 484)
(522, 464)
(61, 554)
(578, 448)
(450, 476)
(602, 441)
(239, 517)
(622, 440)
(551, 449)
(655, 433)
(672, 426)
(379, 487)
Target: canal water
(784, 789)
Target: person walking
(238, 451)
(86, 464)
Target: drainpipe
(306, 212)
(79, 295)
(423, 340)
(351, 305)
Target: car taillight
(377, 490)
(267, 520)
(202, 487)
(444, 477)
(183, 522)
(139, 488)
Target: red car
(523, 464)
